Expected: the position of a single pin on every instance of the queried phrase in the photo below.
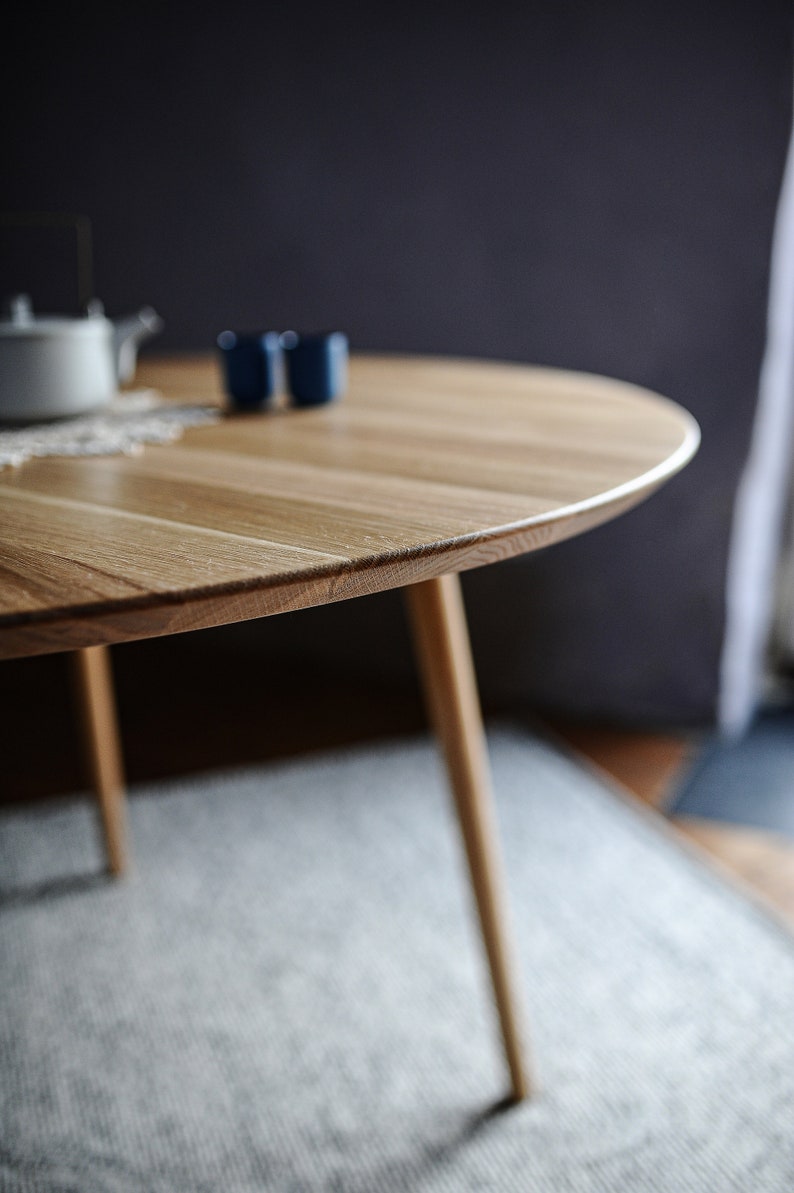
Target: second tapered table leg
(438, 621)
(97, 705)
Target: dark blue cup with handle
(316, 366)
(250, 367)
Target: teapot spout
(128, 333)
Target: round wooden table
(427, 468)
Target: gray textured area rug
(287, 994)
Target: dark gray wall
(590, 185)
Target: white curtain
(755, 603)
(782, 642)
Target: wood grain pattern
(426, 467)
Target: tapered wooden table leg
(438, 622)
(97, 705)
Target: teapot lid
(18, 319)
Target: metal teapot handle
(81, 225)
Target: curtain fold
(761, 510)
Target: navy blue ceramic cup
(316, 366)
(250, 367)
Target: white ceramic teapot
(52, 366)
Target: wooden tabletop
(427, 466)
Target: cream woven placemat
(123, 426)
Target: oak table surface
(426, 467)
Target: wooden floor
(648, 765)
(185, 710)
